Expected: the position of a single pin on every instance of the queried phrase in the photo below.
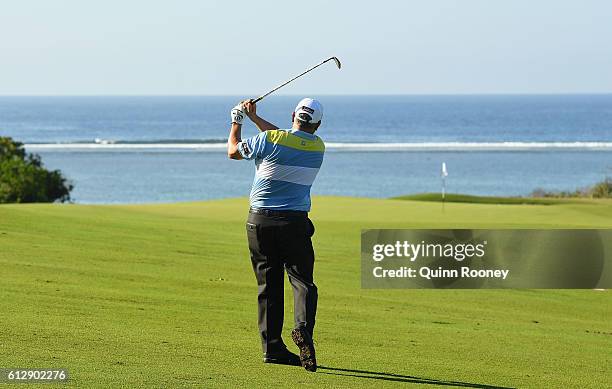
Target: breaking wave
(219, 144)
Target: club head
(337, 61)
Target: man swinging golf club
(278, 228)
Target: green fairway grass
(163, 296)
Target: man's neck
(300, 129)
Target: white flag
(444, 171)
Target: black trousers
(279, 243)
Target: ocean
(165, 149)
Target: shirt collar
(302, 134)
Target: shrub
(23, 178)
(600, 190)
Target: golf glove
(237, 114)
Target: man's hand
(250, 108)
(237, 114)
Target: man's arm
(251, 112)
(235, 136)
(233, 140)
(245, 108)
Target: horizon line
(325, 94)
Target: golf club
(335, 59)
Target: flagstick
(443, 175)
(443, 193)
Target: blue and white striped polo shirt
(286, 162)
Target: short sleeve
(253, 147)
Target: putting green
(164, 296)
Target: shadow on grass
(374, 375)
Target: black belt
(273, 212)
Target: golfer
(278, 228)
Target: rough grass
(164, 296)
(463, 198)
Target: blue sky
(135, 47)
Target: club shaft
(293, 79)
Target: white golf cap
(309, 110)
